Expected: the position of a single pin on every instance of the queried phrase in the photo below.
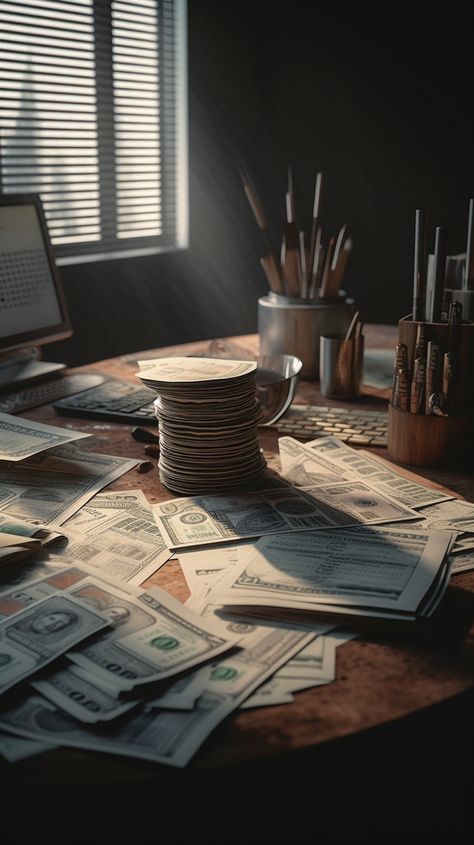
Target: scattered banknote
(163, 736)
(306, 464)
(372, 570)
(203, 520)
(154, 636)
(116, 532)
(21, 438)
(51, 486)
(37, 635)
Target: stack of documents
(208, 416)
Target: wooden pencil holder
(430, 440)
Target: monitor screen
(32, 305)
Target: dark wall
(383, 107)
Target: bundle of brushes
(306, 268)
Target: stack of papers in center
(208, 415)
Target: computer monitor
(33, 309)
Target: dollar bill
(116, 532)
(306, 465)
(377, 569)
(21, 438)
(218, 519)
(154, 636)
(34, 637)
(50, 487)
(81, 696)
(171, 737)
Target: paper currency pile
(93, 657)
(208, 418)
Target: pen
(419, 266)
(337, 274)
(303, 271)
(316, 263)
(352, 325)
(142, 435)
(468, 279)
(338, 246)
(316, 216)
(291, 266)
(439, 271)
(323, 292)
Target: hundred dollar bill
(463, 545)
(366, 571)
(53, 485)
(116, 532)
(91, 699)
(154, 636)
(271, 693)
(128, 612)
(21, 438)
(319, 655)
(259, 641)
(462, 561)
(81, 696)
(183, 693)
(171, 737)
(205, 520)
(305, 465)
(37, 635)
(316, 662)
(454, 515)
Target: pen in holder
(431, 413)
(341, 362)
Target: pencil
(275, 280)
(303, 271)
(291, 265)
(352, 326)
(337, 274)
(419, 266)
(316, 216)
(316, 264)
(337, 248)
(468, 279)
(439, 272)
(323, 291)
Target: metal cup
(290, 326)
(340, 366)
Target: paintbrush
(316, 216)
(323, 290)
(271, 267)
(291, 265)
(336, 275)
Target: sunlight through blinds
(92, 105)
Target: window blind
(93, 118)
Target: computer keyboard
(44, 392)
(363, 428)
(117, 401)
